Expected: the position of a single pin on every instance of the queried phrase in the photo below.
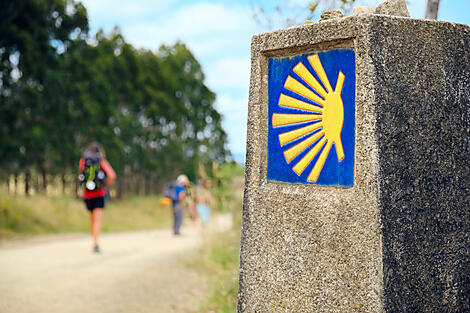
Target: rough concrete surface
(423, 134)
(393, 7)
(310, 248)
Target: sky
(219, 35)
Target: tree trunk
(133, 188)
(8, 183)
(64, 181)
(35, 177)
(123, 187)
(27, 177)
(137, 184)
(152, 186)
(119, 189)
(126, 182)
(148, 186)
(44, 178)
(431, 9)
(16, 182)
(77, 185)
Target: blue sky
(219, 34)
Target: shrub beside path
(144, 271)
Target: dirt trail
(142, 271)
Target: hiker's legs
(204, 212)
(95, 224)
(174, 219)
(177, 219)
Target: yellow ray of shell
(294, 151)
(316, 64)
(305, 161)
(305, 74)
(283, 119)
(293, 103)
(339, 83)
(339, 150)
(313, 176)
(297, 133)
(294, 85)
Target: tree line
(61, 88)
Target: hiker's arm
(181, 196)
(111, 175)
(81, 166)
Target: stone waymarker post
(358, 168)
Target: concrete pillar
(357, 172)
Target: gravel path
(144, 271)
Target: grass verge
(220, 254)
(38, 214)
(220, 263)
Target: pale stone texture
(362, 10)
(398, 240)
(393, 7)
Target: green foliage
(230, 170)
(61, 89)
(32, 35)
(229, 186)
(220, 263)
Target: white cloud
(234, 106)
(229, 72)
(123, 11)
(235, 112)
(206, 26)
(205, 19)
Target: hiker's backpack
(92, 177)
(170, 192)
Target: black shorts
(94, 203)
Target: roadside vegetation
(22, 216)
(220, 254)
(220, 264)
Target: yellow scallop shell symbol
(327, 114)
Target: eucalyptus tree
(33, 34)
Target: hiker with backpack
(96, 176)
(177, 197)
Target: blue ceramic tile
(311, 118)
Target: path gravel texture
(145, 271)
